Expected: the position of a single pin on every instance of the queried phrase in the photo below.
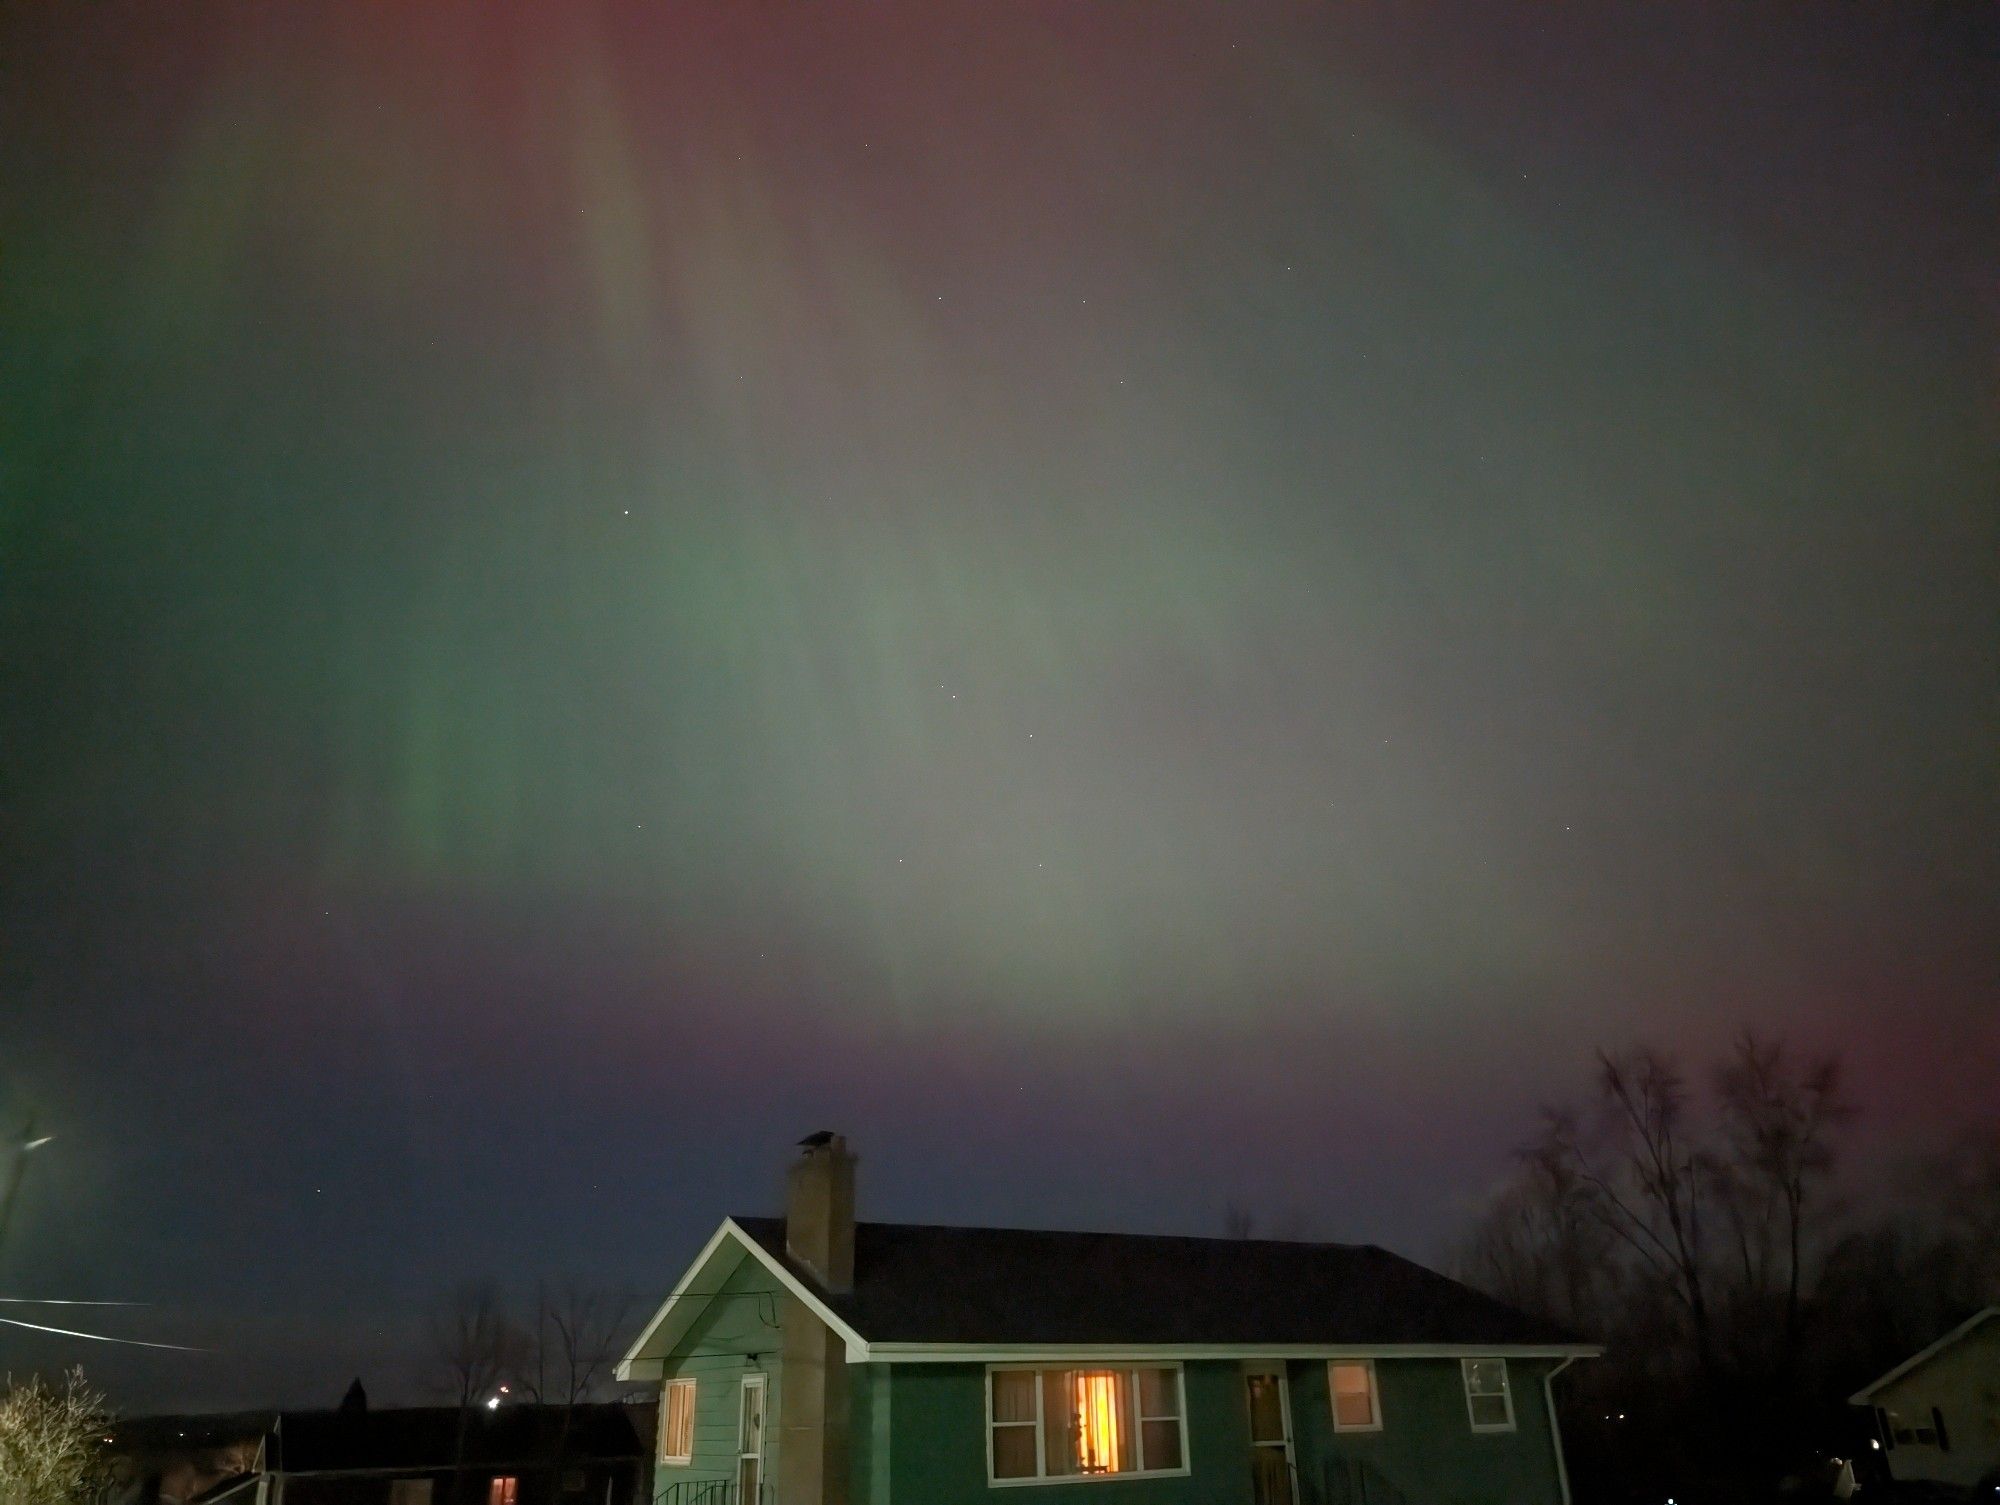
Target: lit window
(1355, 1405)
(1488, 1401)
(677, 1423)
(1084, 1423)
(503, 1491)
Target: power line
(70, 1332)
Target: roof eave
(1001, 1353)
(638, 1364)
(1866, 1395)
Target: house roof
(920, 1284)
(419, 1437)
(1866, 1395)
(181, 1432)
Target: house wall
(1426, 1450)
(596, 1481)
(1963, 1383)
(937, 1445)
(920, 1437)
(736, 1334)
(871, 1413)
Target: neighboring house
(1937, 1414)
(813, 1361)
(424, 1455)
(169, 1460)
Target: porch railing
(711, 1492)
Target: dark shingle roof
(916, 1283)
(416, 1437)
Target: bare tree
(574, 1342)
(51, 1442)
(1541, 1243)
(474, 1344)
(1777, 1119)
(1966, 1178)
(1646, 1176)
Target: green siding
(1426, 1451)
(870, 1416)
(938, 1444)
(733, 1336)
(926, 1431)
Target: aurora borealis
(1133, 605)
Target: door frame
(1280, 1369)
(759, 1381)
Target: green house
(811, 1360)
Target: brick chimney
(819, 1210)
(813, 1407)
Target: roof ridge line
(1185, 1238)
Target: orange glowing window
(677, 1423)
(1098, 1401)
(1352, 1383)
(503, 1490)
(1083, 1423)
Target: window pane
(677, 1432)
(1087, 1421)
(1014, 1452)
(1159, 1393)
(1489, 1410)
(1267, 1408)
(1163, 1444)
(1486, 1376)
(1353, 1394)
(1013, 1395)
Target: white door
(750, 1441)
(1270, 1403)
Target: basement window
(1489, 1402)
(677, 1423)
(1045, 1425)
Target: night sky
(1133, 605)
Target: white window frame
(1374, 1396)
(676, 1460)
(1506, 1394)
(760, 1383)
(1128, 1367)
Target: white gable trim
(638, 1364)
(1002, 1353)
(1866, 1396)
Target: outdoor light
(493, 1404)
